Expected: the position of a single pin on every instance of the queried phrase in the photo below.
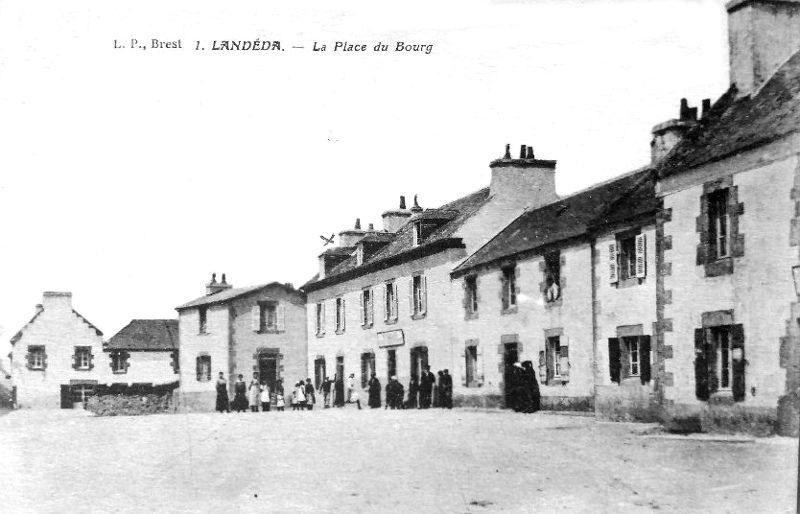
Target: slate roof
(146, 334)
(401, 245)
(569, 218)
(734, 125)
(229, 294)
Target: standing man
(325, 388)
(447, 385)
(374, 392)
(426, 388)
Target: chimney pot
(684, 110)
(358, 224)
(213, 278)
(530, 153)
(371, 227)
(402, 202)
(223, 279)
(508, 152)
(416, 208)
(706, 107)
(522, 151)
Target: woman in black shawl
(532, 399)
(240, 395)
(374, 392)
(222, 394)
(338, 391)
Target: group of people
(422, 393)
(258, 395)
(522, 388)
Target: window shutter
(613, 265)
(361, 309)
(614, 359)
(322, 320)
(641, 263)
(396, 301)
(75, 359)
(550, 362)
(464, 366)
(479, 366)
(700, 365)
(255, 317)
(411, 295)
(386, 306)
(542, 367)
(564, 359)
(199, 364)
(424, 295)
(738, 360)
(371, 307)
(29, 359)
(280, 315)
(711, 362)
(344, 315)
(44, 358)
(644, 358)
(91, 359)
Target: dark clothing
(374, 393)
(310, 398)
(514, 388)
(530, 399)
(326, 386)
(413, 388)
(394, 394)
(426, 382)
(264, 406)
(447, 391)
(240, 403)
(222, 396)
(338, 391)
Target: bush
(135, 400)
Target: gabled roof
(40, 310)
(569, 218)
(230, 294)
(146, 334)
(401, 246)
(734, 125)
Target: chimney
(214, 287)
(526, 182)
(416, 209)
(762, 35)
(393, 220)
(667, 134)
(351, 237)
(55, 301)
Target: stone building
(383, 300)
(145, 351)
(57, 358)
(729, 233)
(256, 329)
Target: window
(509, 287)
(418, 296)
(267, 317)
(320, 319)
(202, 311)
(390, 303)
(82, 358)
(629, 356)
(471, 296)
(203, 368)
(82, 392)
(552, 274)
(391, 363)
(718, 224)
(340, 315)
(319, 371)
(367, 368)
(627, 258)
(365, 306)
(36, 358)
(360, 255)
(473, 372)
(176, 361)
(119, 361)
(418, 235)
(719, 361)
(554, 363)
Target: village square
(630, 347)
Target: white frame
(390, 301)
(718, 334)
(340, 314)
(37, 359)
(83, 358)
(472, 294)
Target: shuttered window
(203, 368)
(36, 358)
(627, 258)
(629, 357)
(390, 302)
(419, 296)
(119, 361)
(340, 315)
(509, 287)
(720, 361)
(554, 365)
(366, 313)
(82, 358)
(320, 319)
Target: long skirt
(240, 402)
(222, 402)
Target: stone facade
(241, 338)
(44, 370)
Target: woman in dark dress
(338, 391)
(374, 392)
(532, 396)
(412, 393)
(240, 395)
(222, 394)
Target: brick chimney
(55, 300)
(667, 134)
(351, 237)
(393, 220)
(214, 287)
(523, 182)
(762, 35)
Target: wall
(154, 367)
(194, 394)
(59, 330)
(759, 291)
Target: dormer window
(360, 255)
(418, 235)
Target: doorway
(340, 366)
(319, 372)
(391, 364)
(510, 356)
(419, 361)
(268, 369)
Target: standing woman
(338, 390)
(222, 394)
(374, 392)
(265, 399)
(253, 393)
(311, 399)
(240, 394)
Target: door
(66, 397)
(340, 366)
(391, 364)
(510, 356)
(81, 393)
(319, 372)
(419, 361)
(268, 369)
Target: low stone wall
(480, 401)
(194, 401)
(134, 400)
(568, 403)
(720, 419)
(626, 402)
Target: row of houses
(661, 293)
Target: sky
(128, 176)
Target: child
(355, 398)
(264, 398)
(280, 401)
(300, 391)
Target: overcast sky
(128, 176)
